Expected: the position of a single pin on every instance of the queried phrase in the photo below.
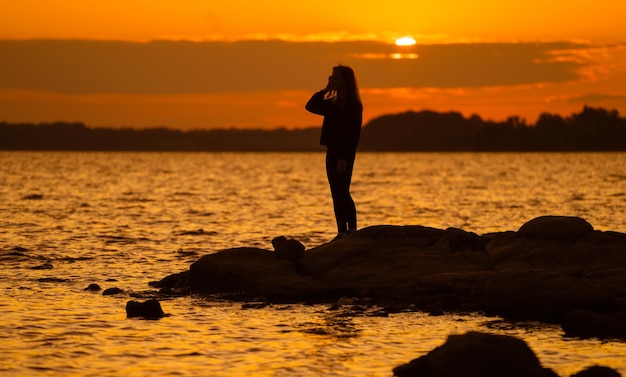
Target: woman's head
(344, 82)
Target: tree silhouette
(593, 129)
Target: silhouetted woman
(340, 104)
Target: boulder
(555, 227)
(258, 272)
(476, 354)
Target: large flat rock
(551, 266)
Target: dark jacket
(341, 128)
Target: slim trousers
(345, 209)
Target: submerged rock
(551, 266)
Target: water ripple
(125, 219)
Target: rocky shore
(554, 269)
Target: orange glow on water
(116, 219)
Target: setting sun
(197, 64)
(405, 41)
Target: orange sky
(488, 58)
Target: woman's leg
(345, 209)
(349, 206)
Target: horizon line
(386, 38)
(523, 121)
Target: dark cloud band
(178, 67)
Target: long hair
(350, 88)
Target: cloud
(184, 67)
(596, 98)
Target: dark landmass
(593, 129)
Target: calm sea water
(125, 219)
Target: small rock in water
(111, 291)
(150, 309)
(93, 287)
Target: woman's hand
(342, 167)
(329, 86)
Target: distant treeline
(593, 129)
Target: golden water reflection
(93, 337)
(125, 219)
